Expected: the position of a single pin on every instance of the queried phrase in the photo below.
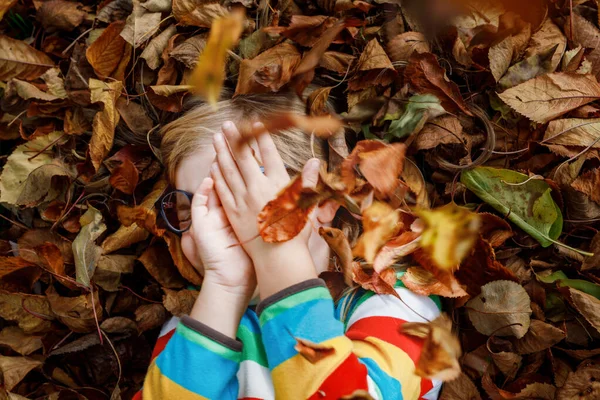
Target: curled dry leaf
(380, 223)
(441, 349)
(536, 390)
(189, 51)
(125, 177)
(18, 60)
(449, 235)
(105, 121)
(588, 184)
(158, 262)
(503, 308)
(583, 384)
(494, 229)
(85, 250)
(501, 55)
(179, 302)
(382, 283)
(546, 37)
(338, 242)
(401, 246)
(540, 336)
(546, 97)
(140, 25)
(150, 316)
(445, 129)
(153, 51)
(402, 46)
(209, 74)
(313, 352)
(374, 68)
(78, 313)
(426, 76)
(423, 282)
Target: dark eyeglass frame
(163, 214)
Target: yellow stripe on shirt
(158, 387)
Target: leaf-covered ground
(471, 159)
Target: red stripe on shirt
(347, 378)
(388, 329)
(161, 343)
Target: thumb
(310, 173)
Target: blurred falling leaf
(503, 308)
(421, 281)
(86, 252)
(380, 223)
(313, 352)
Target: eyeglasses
(176, 210)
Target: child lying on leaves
(296, 343)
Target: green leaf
(526, 202)
(417, 112)
(85, 250)
(562, 280)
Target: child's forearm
(284, 265)
(219, 309)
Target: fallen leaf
(526, 202)
(395, 249)
(536, 390)
(46, 183)
(150, 316)
(85, 250)
(586, 34)
(531, 67)
(158, 262)
(32, 313)
(588, 184)
(78, 313)
(380, 224)
(449, 235)
(374, 68)
(14, 369)
(189, 51)
(27, 91)
(269, 71)
(503, 308)
(507, 362)
(419, 109)
(125, 177)
(18, 60)
(337, 62)
(114, 11)
(593, 262)
(584, 383)
(105, 121)
(494, 229)
(422, 282)
(548, 36)
(540, 336)
(134, 115)
(153, 51)
(587, 305)
(379, 283)
(20, 165)
(197, 13)
(179, 302)
(109, 55)
(426, 76)
(546, 97)
(402, 46)
(461, 388)
(338, 242)
(445, 129)
(313, 352)
(440, 352)
(317, 101)
(306, 30)
(119, 325)
(185, 268)
(140, 25)
(60, 15)
(17, 340)
(501, 55)
(5, 6)
(209, 74)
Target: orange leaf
(109, 54)
(323, 126)
(313, 352)
(380, 224)
(379, 283)
(494, 229)
(421, 281)
(209, 74)
(338, 242)
(125, 177)
(401, 246)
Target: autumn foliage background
(464, 137)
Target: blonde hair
(195, 129)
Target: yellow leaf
(209, 74)
(449, 235)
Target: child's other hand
(244, 191)
(226, 264)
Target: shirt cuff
(287, 292)
(210, 333)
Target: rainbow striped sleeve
(197, 363)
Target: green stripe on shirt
(253, 349)
(292, 301)
(209, 344)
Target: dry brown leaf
(407, 243)
(158, 262)
(313, 352)
(140, 25)
(32, 313)
(546, 97)
(573, 132)
(583, 384)
(507, 362)
(17, 340)
(125, 177)
(18, 60)
(421, 281)
(105, 121)
(585, 34)
(185, 268)
(150, 316)
(110, 53)
(179, 302)
(134, 115)
(337, 62)
(268, 71)
(494, 229)
(78, 313)
(5, 5)
(153, 51)
(546, 37)
(426, 76)
(189, 51)
(379, 283)
(445, 129)
(535, 390)
(317, 101)
(374, 68)
(60, 15)
(587, 305)
(594, 261)
(589, 184)
(14, 369)
(540, 336)
(338, 242)
(380, 223)
(118, 325)
(305, 29)
(503, 308)
(501, 55)
(198, 13)
(441, 349)
(402, 46)
(461, 388)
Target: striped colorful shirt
(192, 361)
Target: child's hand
(244, 190)
(226, 264)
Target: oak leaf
(546, 97)
(21, 61)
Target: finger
(310, 173)
(222, 188)
(228, 167)
(274, 166)
(213, 200)
(242, 154)
(200, 200)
